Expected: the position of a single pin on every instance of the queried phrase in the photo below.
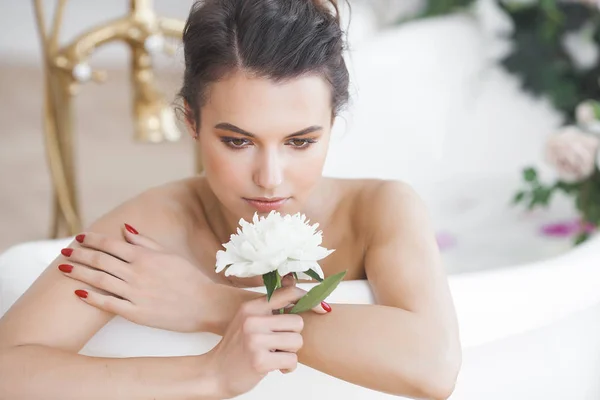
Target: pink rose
(572, 153)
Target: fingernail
(326, 306)
(131, 229)
(81, 293)
(66, 252)
(65, 268)
(80, 238)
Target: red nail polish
(80, 238)
(66, 252)
(131, 229)
(81, 293)
(65, 268)
(326, 306)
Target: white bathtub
(530, 331)
(428, 110)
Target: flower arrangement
(277, 245)
(557, 55)
(574, 154)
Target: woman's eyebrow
(232, 128)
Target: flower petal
(225, 258)
(311, 254)
(241, 270)
(299, 266)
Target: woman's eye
(301, 143)
(236, 143)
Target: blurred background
(110, 165)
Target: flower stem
(281, 310)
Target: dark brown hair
(276, 39)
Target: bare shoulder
(162, 213)
(165, 213)
(379, 205)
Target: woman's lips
(267, 205)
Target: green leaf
(582, 237)
(441, 7)
(313, 275)
(530, 174)
(519, 196)
(318, 293)
(270, 279)
(542, 195)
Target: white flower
(581, 48)
(283, 243)
(572, 153)
(588, 116)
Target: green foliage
(586, 195)
(539, 58)
(318, 293)
(313, 275)
(272, 281)
(436, 8)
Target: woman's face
(263, 144)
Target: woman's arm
(408, 344)
(256, 342)
(32, 372)
(42, 332)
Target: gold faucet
(66, 69)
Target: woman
(264, 80)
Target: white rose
(572, 153)
(283, 243)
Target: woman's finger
(283, 323)
(98, 260)
(106, 244)
(284, 341)
(98, 279)
(281, 298)
(281, 360)
(107, 303)
(288, 280)
(134, 237)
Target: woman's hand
(153, 287)
(257, 341)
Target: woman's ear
(190, 120)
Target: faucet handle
(156, 43)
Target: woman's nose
(269, 172)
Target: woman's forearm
(34, 372)
(382, 348)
